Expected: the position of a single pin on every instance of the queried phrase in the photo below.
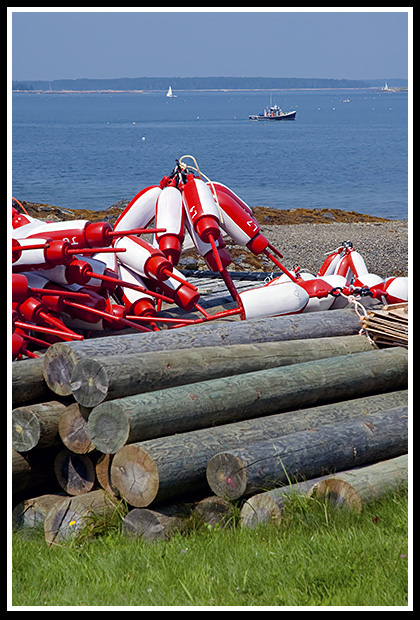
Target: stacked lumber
(203, 417)
(388, 325)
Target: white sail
(169, 93)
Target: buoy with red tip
(94, 318)
(239, 224)
(33, 310)
(170, 216)
(183, 296)
(140, 211)
(203, 212)
(201, 208)
(136, 302)
(149, 262)
(206, 250)
(35, 253)
(393, 290)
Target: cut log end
(69, 516)
(75, 472)
(108, 427)
(26, 429)
(135, 474)
(215, 511)
(150, 525)
(258, 509)
(339, 493)
(226, 476)
(73, 431)
(59, 362)
(89, 382)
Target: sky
(340, 43)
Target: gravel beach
(383, 245)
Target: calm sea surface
(346, 149)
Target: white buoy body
(140, 211)
(276, 300)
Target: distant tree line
(187, 83)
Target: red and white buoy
(170, 216)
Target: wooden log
(114, 423)
(68, 516)
(103, 473)
(73, 430)
(215, 511)
(95, 380)
(36, 425)
(60, 358)
(161, 469)
(308, 454)
(31, 513)
(28, 384)
(267, 507)
(151, 525)
(75, 472)
(354, 488)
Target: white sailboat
(170, 93)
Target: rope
(197, 169)
(360, 311)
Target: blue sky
(346, 43)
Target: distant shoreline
(197, 90)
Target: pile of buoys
(70, 279)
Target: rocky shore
(303, 236)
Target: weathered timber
(114, 423)
(28, 384)
(158, 470)
(151, 525)
(75, 472)
(60, 358)
(308, 454)
(73, 430)
(95, 380)
(267, 507)
(36, 425)
(214, 511)
(103, 473)
(31, 513)
(354, 488)
(68, 516)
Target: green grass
(317, 556)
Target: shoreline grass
(319, 555)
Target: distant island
(192, 83)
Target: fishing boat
(273, 113)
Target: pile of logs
(206, 419)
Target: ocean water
(346, 149)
